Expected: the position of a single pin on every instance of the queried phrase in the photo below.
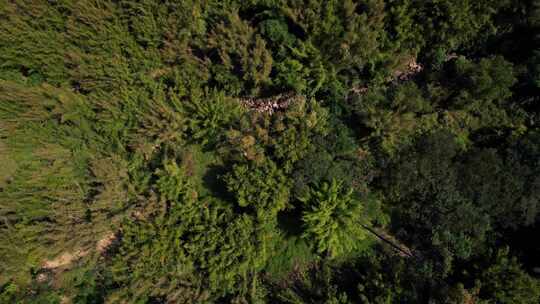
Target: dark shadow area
(212, 181)
(523, 242)
(290, 222)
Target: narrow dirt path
(385, 237)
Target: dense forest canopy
(270, 151)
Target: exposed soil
(67, 258)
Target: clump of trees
(288, 151)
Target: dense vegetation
(270, 151)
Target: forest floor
(68, 258)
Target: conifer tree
(333, 219)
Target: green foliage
(9, 292)
(534, 69)
(313, 286)
(504, 281)
(404, 32)
(462, 98)
(292, 132)
(333, 219)
(455, 24)
(292, 254)
(265, 189)
(336, 155)
(345, 34)
(285, 137)
(189, 250)
(209, 115)
(384, 279)
(503, 187)
(240, 48)
(500, 278)
(277, 31)
(423, 189)
(219, 151)
(37, 294)
(488, 81)
(292, 74)
(396, 115)
(59, 196)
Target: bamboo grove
(270, 151)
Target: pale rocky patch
(105, 242)
(271, 104)
(67, 258)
